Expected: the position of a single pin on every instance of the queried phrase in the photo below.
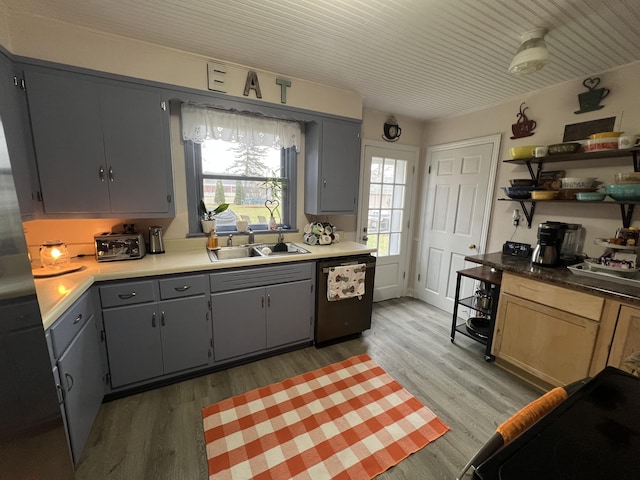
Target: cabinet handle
(101, 173)
(127, 296)
(60, 393)
(69, 381)
(153, 320)
(184, 288)
(268, 300)
(262, 299)
(324, 182)
(78, 318)
(162, 322)
(111, 174)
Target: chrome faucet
(230, 240)
(252, 238)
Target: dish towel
(346, 281)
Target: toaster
(119, 246)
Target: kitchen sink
(230, 253)
(257, 250)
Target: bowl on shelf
(599, 144)
(590, 196)
(624, 193)
(577, 182)
(570, 193)
(595, 136)
(522, 182)
(544, 194)
(564, 148)
(627, 178)
(525, 151)
(518, 193)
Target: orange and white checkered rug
(349, 420)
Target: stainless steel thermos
(156, 243)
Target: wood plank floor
(158, 434)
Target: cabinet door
(133, 343)
(186, 333)
(289, 313)
(13, 109)
(238, 323)
(340, 166)
(332, 167)
(136, 133)
(626, 340)
(67, 134)
(552, 345)
(80, 369)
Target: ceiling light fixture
(532, 54)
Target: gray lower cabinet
(156, 328)
(255, 310)
(112, 135)
(76, 350)
(332, 167)
(80, 375)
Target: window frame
(195, 191)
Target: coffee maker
(550, 238)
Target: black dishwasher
(346, 317)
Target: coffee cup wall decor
(524, 127)
(590, 100)
(391, 130)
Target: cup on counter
(325, 239)
(540, 152)
(242, 225)
(317, 228)
(335, 237)
(310, 239)
(628, 141)
(308, 228)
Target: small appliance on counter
(156, 243)
(550, 238)
(112, 246)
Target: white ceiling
(418, 58)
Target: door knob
(365, 238)
(472, 246)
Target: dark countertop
(560, 276)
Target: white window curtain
(201, 123)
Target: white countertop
(57, 294)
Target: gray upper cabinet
(332, 167)
(102, 146)
(15, 120)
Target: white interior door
(388, 177)
(456, 207)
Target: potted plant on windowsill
(208, 217)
